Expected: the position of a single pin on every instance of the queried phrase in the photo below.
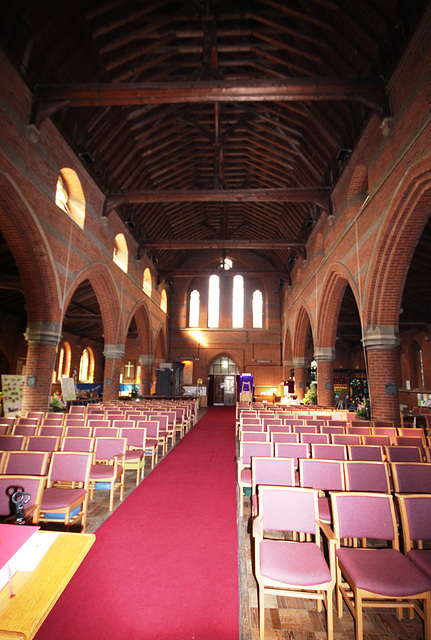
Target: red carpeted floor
(165, 564)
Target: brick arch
(224, 354)
(331, 296)
(105, 291)
(140, 313)
(160, 348)
(31, 252)
(399, 234)
(302, 326)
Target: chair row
(393, 453)
(274, 424)
(148, 438)
(361, 574)
(331, 475)
(62, 495)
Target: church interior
(194, 191)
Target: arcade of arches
(356, 306)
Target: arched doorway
(222, 382)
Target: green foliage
(311, 395)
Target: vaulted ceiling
(216, 125)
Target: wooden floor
(285, 618)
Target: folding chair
(374, 577)
(287, 567)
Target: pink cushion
(103, 471)
(56, 498)
(383, 571)
(246, 476)
(422, 559)
(300, 564)
(134, 454)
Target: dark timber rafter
(318, 195)
(51, 98)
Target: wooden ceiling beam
(217, 243)
(319, 195)
(49, 98)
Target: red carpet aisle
(165, 564)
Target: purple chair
(415, 512)
(380, 441)
(65, 498)
(107, 471)
(366, 475)
(43, 443)
(403, 454)
(330, 429)
(295, 450)
(324, 475)
(32, 463)
(248, 450)
(76, 443)
(366, 452)
(374, 576)
(411, 477)
(270, 471)
(9, 484)
(329, 451)
(315, 438)
(280, 436)
(340, 438)
(306, 428)
(135, 450)
(12, 443)
(286, 567)
(254, 436)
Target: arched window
(63, 364)
(86, 366)
(257, 309)
(69, 196)
(147, 283)
(121, 252)
(213, 301)
(224, 366)
(238, 302)
(164, 301)
(194, 308)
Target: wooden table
(37, 591)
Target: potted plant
(311, 395)
(363, 409)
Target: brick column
(114, 356)
(42, 342)
(381, 343)
(145, 361)
(324, 357)
(300, 366)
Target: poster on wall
(12, 394)
(68, 389)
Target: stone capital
(43, 333)
(146, 359)
(301, 363)
(288, 363)
(324, 354)
(114, 351)
(385, 336)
